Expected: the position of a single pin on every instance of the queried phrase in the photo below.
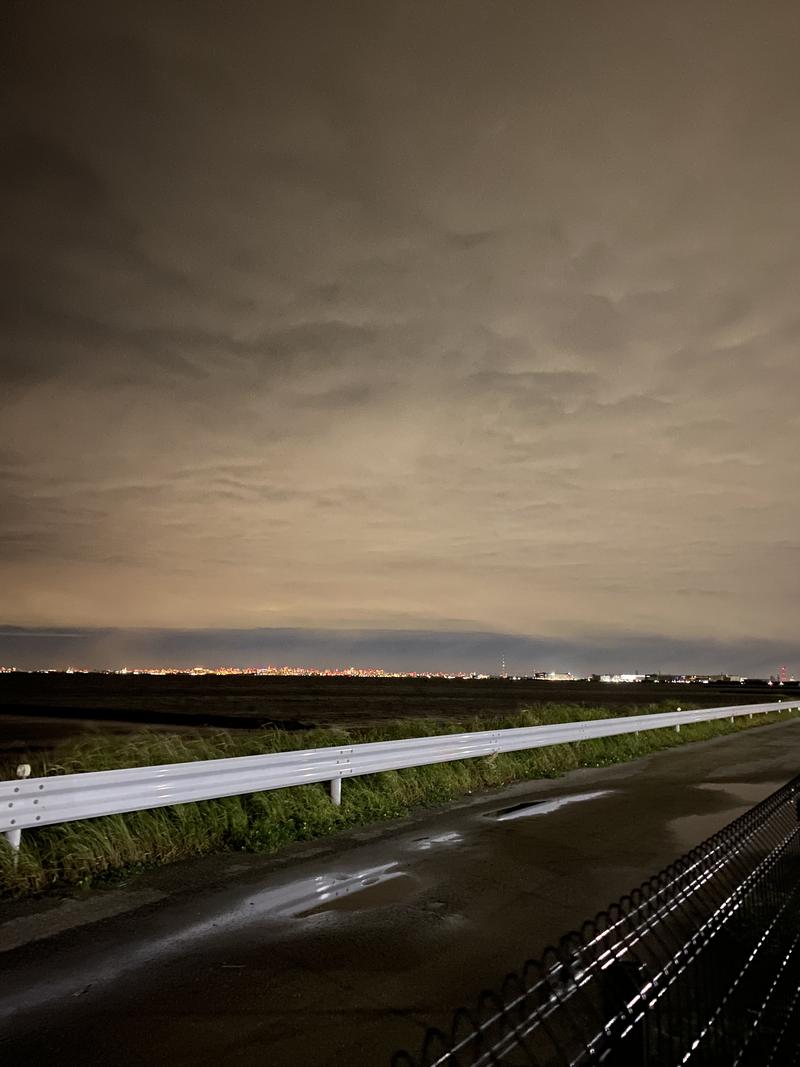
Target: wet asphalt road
(339, 952)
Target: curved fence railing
(34, 802)
(699, 965)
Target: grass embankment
(82, 852)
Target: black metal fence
(700, 965)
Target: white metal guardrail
(31, 802)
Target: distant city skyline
(298, 671)
(388, 650)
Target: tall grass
(80, 853)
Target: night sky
(399, 327)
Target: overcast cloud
(452, 316)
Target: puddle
(543, 807)
(519, 809)
(305, 896)
(425, 844)
(366, 888)
(692, 830)
(373, 891)
(749, 793)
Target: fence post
(620, 984)
(336, 791)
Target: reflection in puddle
(307, 896)
(544, 807)
(370, 892)
(424, 844)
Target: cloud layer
(454, 316)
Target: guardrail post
(336, 791)
(14, 837)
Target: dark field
(38, 710)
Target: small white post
(678, 728)
(336, 791)
(14, 837)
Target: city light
(292, 671)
